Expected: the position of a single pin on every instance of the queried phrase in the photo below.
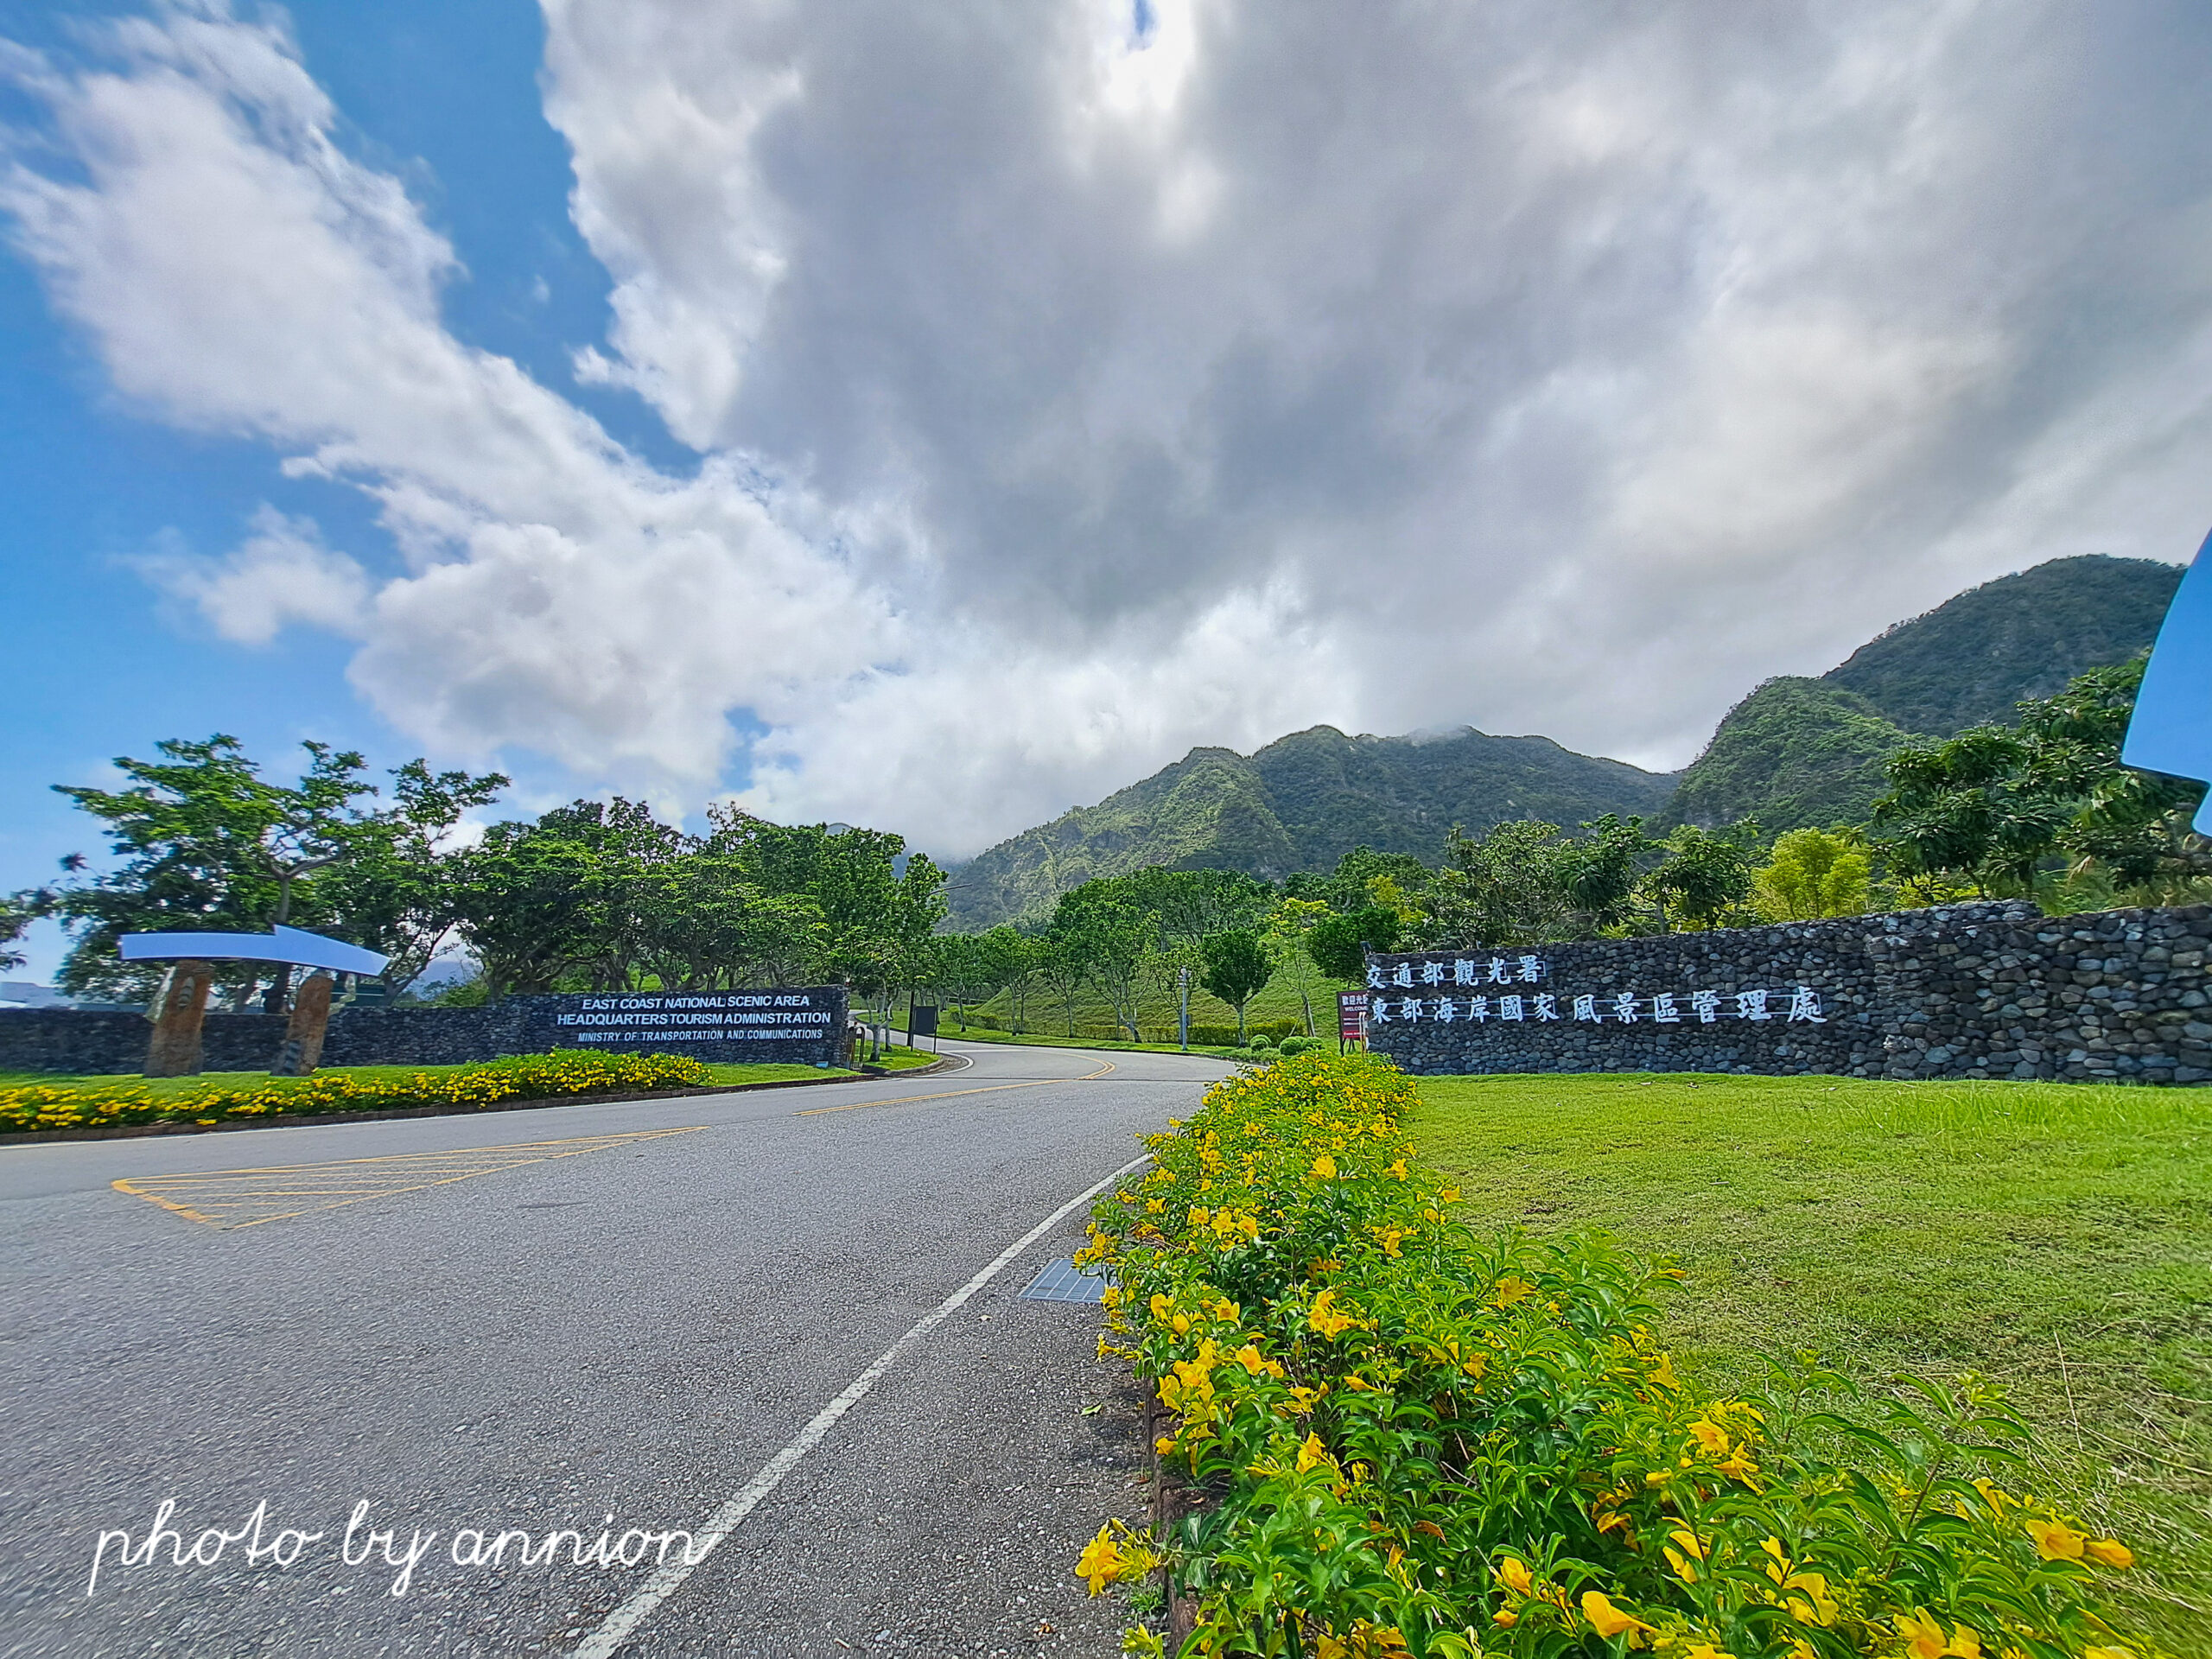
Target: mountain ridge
(1796, 751)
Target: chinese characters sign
(1790, 1004)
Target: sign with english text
(787, 1025)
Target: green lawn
(1034, 1040)
(2056, 1238)
(1043, 1013)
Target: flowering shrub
(530, 1077)
(1413, 1440)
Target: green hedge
(1415, 1440)
(33, 1107)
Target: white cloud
(280, 575)
(1068, 395)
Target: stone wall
(1989, 990)
(66, 1041)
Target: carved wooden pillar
(174, 1051)
(303, 1049)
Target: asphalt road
(612, 1333)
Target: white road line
(666, 1579)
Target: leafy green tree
(1101, 928)
(1812, 874)
(391, 890)
(1338, 944)
(1505, 888)
(1237, 968)
(18, 911)
(704, 925)
(524, 903)
(967, 970)
(1061, 970)
(1190, 904)
(1290, 923)
(208, 845)
(1704, 875)
(1596, 872)
(1014, 959)
(1996, 807)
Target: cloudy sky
(934, 416)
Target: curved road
(608, 1318)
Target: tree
(1014, 959)
(18, 911)
(1062, 971)
(523, 901)
(1812, 874)
(1998, 807)
(391, 890)
(968, 970)
(1506, 887)
(1596, 871)
(1236, 969)
(1289, 924)
(1706, 873)
(1338, 944)
(208, 845)
(1110, 937)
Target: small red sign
(1351, 1015)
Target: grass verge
(2056, 1237)
(1032, 1040)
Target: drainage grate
(1063, 1282)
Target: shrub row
(1410, 1440)
(531, 1077)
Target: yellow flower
(1161, 1307)
(1313, 1454)
(2110, 1551)
(1450, 1195)
(1965, 1643)
(1711, 1436)
(1806, 1597)
(1505, 1617)
(1254, 1361)
(1398, 1169)
(1164, 1445)
(1325, 1167)
(1514, 1574)
(1663, 1372)
(1610, 1621)
(1324, 1318)
(2055, 1539)
(1923, 1634)
(2107, 1653)
(1101, 1560)
(1510, 1290)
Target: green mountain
(1798, 753)
(1971, 658)
(1795, 752)
(1300, 804)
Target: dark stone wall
(1989, 990)
(65, 1040)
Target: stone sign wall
(1990, 990)
(801, 1025)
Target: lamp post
(1183, 1007)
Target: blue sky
(445, 96)
(932, 417)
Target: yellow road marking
(276, 1188)
(948, 1094)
